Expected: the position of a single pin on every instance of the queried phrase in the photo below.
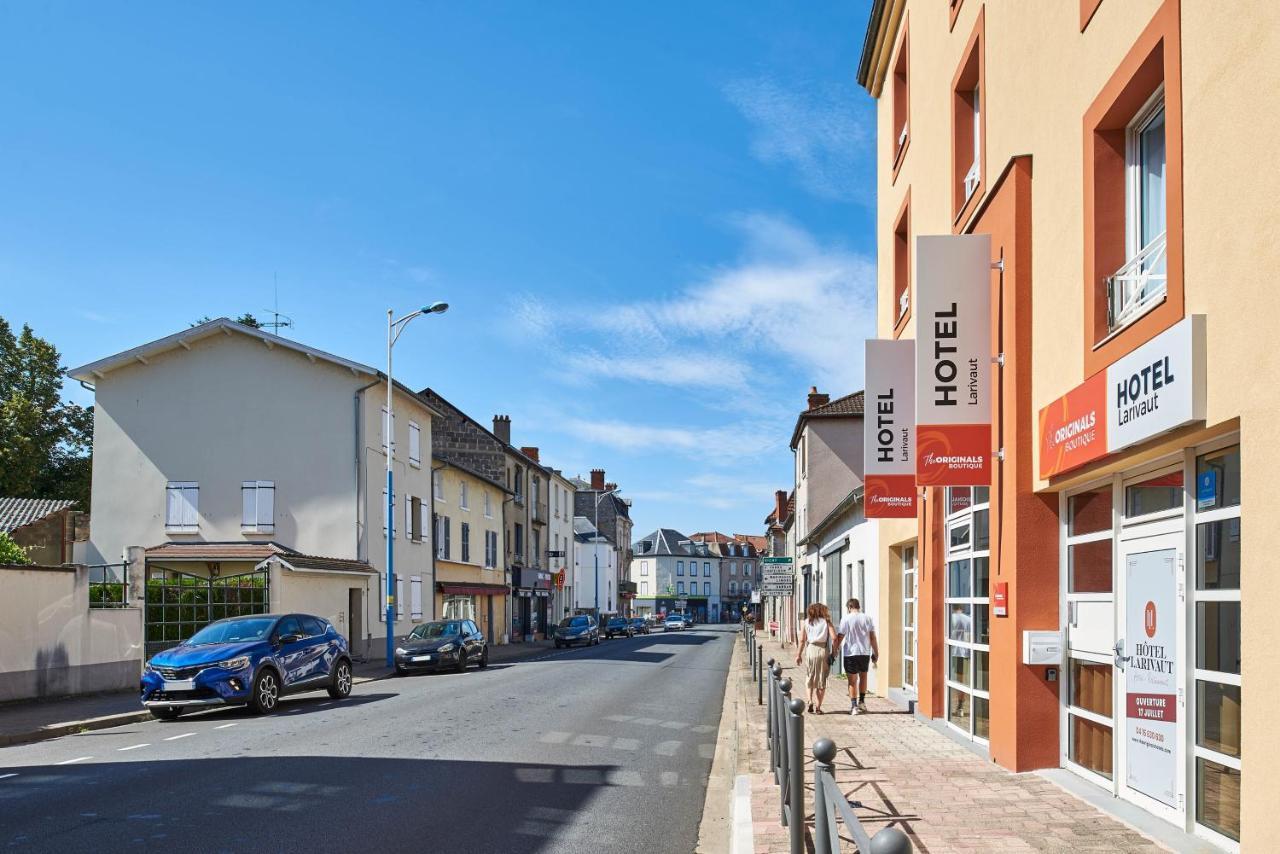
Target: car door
(290, 654)
(475, 641)
(320, 650)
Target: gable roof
(849, 406)
(17, 513)
(669, 542)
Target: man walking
(858, 646)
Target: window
(1157, 494)
(901, 101)
(490, 549)
(909, 617)
(466, 542)
(392, 421)
(967, 617)
(464, 500)
(555, 491)
(706, 568)
(415, 445)
(519, 544)
(644, 567)
(415, 519)
(488, 505)
(733, 567)
(258, 506)
(680, 587)
(519, 485)
(536, 557)
(902, 265)
(706, 588)
(182, 507)
(746, 569)
(437, 484)
(415, 597)
(967, 160)
(443, 543)
(733, 588)
(644, 588)
(679, 567)
(535, 489)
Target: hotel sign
(888, 443)
(953, 360)
(1156, 388)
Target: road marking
(619, 777)
(668, 748)
(555, 737)
(72, 761)
(585, 740)
(7, 776)
(133, 746)
(669, 778)
(223, 726)
(176, 737)
(626, 744)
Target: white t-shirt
(856, 628)
(816, 632)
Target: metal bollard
(795, 756)
(824, 751)
(890, 840)
(759, 676)
(780, 736)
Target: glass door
(909, 618)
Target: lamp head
(436, 308)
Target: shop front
(531, 611)
(485, 604)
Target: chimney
(597, 480)
(817, 399)
(531, 453)
(502, 427)
(780, 500)
(610, 487)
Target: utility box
(1041, 647)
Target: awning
(204, 552)
(476, 589)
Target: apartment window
(706, 588)
(519, 540)
(466, 542)
(746, 569)
(464, 500)
(968, 88)
(488, 505)
(679, 567)
(519, 484)
(644, 588)
(537, 548)
(437, 484)
(733, 588)
(555, 491)
(535, 489)
(733, 567)
(415, 445)
(644, 567)
(490, 549)
(415, 519)
(901, 101)
(680, 587)
(706, 568)
(967, 617)
(902, 265)
(182, 507)
(258, 506)
(443, 541)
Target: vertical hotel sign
(953, 360)
(888, 446)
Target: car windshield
(436, 630)
(617, 621)
(233, 631)
(574, 622)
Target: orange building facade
(1095, 607)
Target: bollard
(795, 756)
(759, 676)
(780, 736)
(890, 840)
(824, 753)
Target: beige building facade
(469, 575)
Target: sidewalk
(905, 773)
(25, 721)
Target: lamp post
(596, 551)
(394, 328)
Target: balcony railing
(1138, 286)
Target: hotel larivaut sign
(888, 447)
(1154, 389)
(953, 360)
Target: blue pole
(391, 574)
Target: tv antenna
(278, 321)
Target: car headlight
(401, 650)
(147, 668)
(447, 648)
(240, 662)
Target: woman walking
(815, 652)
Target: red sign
(1149, 619)
(890, 496)
(1153, 707)
(1000, 602)
(1073, 429)
(953, 454)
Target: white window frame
(680, 588)
(488, 505)
(706, 588)
(415, 445)
(644, 568)
(706, 569)
(464, 495)
(1137, 254)
(437, 485)
(186, 494)
(974, 176)
(910, 593)
(966, 552)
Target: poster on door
(1151, 675)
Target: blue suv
(248, 661)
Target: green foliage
(45, 442)
(11, 552)
(245, 319)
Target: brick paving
(905, 773)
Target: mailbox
(1042, 647)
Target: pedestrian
(816, 637)
(859, 649)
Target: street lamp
(596, 550)
(394, 328)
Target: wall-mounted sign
(1154, 389)
(953, 360)
(1000, 601)
(888, 442)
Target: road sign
(775, 560)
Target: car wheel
(168, 713)
(341, 687)
(484, 658)
(462, 661)
(265, 695)
(401, 671)
(597, 640)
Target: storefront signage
(1154, 389)
(953, 360)
(1151, 675)
(888, 443)
(1000, 601)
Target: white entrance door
(1151, 710)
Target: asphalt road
(602, 749)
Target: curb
(71, 727)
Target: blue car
(248, 661)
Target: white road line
(223, 726)
(133, 746)
(176, 737)
(7, 776)
(72, 761)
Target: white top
(856, 628)
(816, 631)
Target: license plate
(179, 684)
(422, 658)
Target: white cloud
(822, 134)
(727, 444)
(692, 370)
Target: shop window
(1218, 717)
(1090, 745)
(1091, 686)
(902, 266)
(1133, 197)
(1090, 512)
(958, 536)
(1218, 797)
(1089, 566)
(967, 614)
(1154, 495)
(968, 91)
(901, 100)
(1218, 479)
(1218, 636)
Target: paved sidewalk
(905, 773)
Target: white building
(595, 570)
(561, 544)
(674, 573)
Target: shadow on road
(299, 803)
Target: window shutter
(173, 506)
(408, 517)
(381, 597)
(191, 506)
(448, 544)
(267, 504)
(249, 504)
(423, 510)
(415, 444)
(383, 505)
(415, 594)
(399, 596)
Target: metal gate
(179, 604)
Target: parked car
(248, 661)
(618, 627)
(581, 629)
(442, 645)
(673, 623)
(639, 626)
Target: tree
(245, 319)
(45, 442)
(11, 552)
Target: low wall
(53, 644)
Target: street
(587, 749)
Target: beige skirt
(815, 666)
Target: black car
(442, 645)
(639, 626)
(581, 629)
(618, 627)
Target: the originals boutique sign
(1157, 387)
(888, 448)
(953, 360)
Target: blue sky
(653, 221)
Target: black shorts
(857, 663)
